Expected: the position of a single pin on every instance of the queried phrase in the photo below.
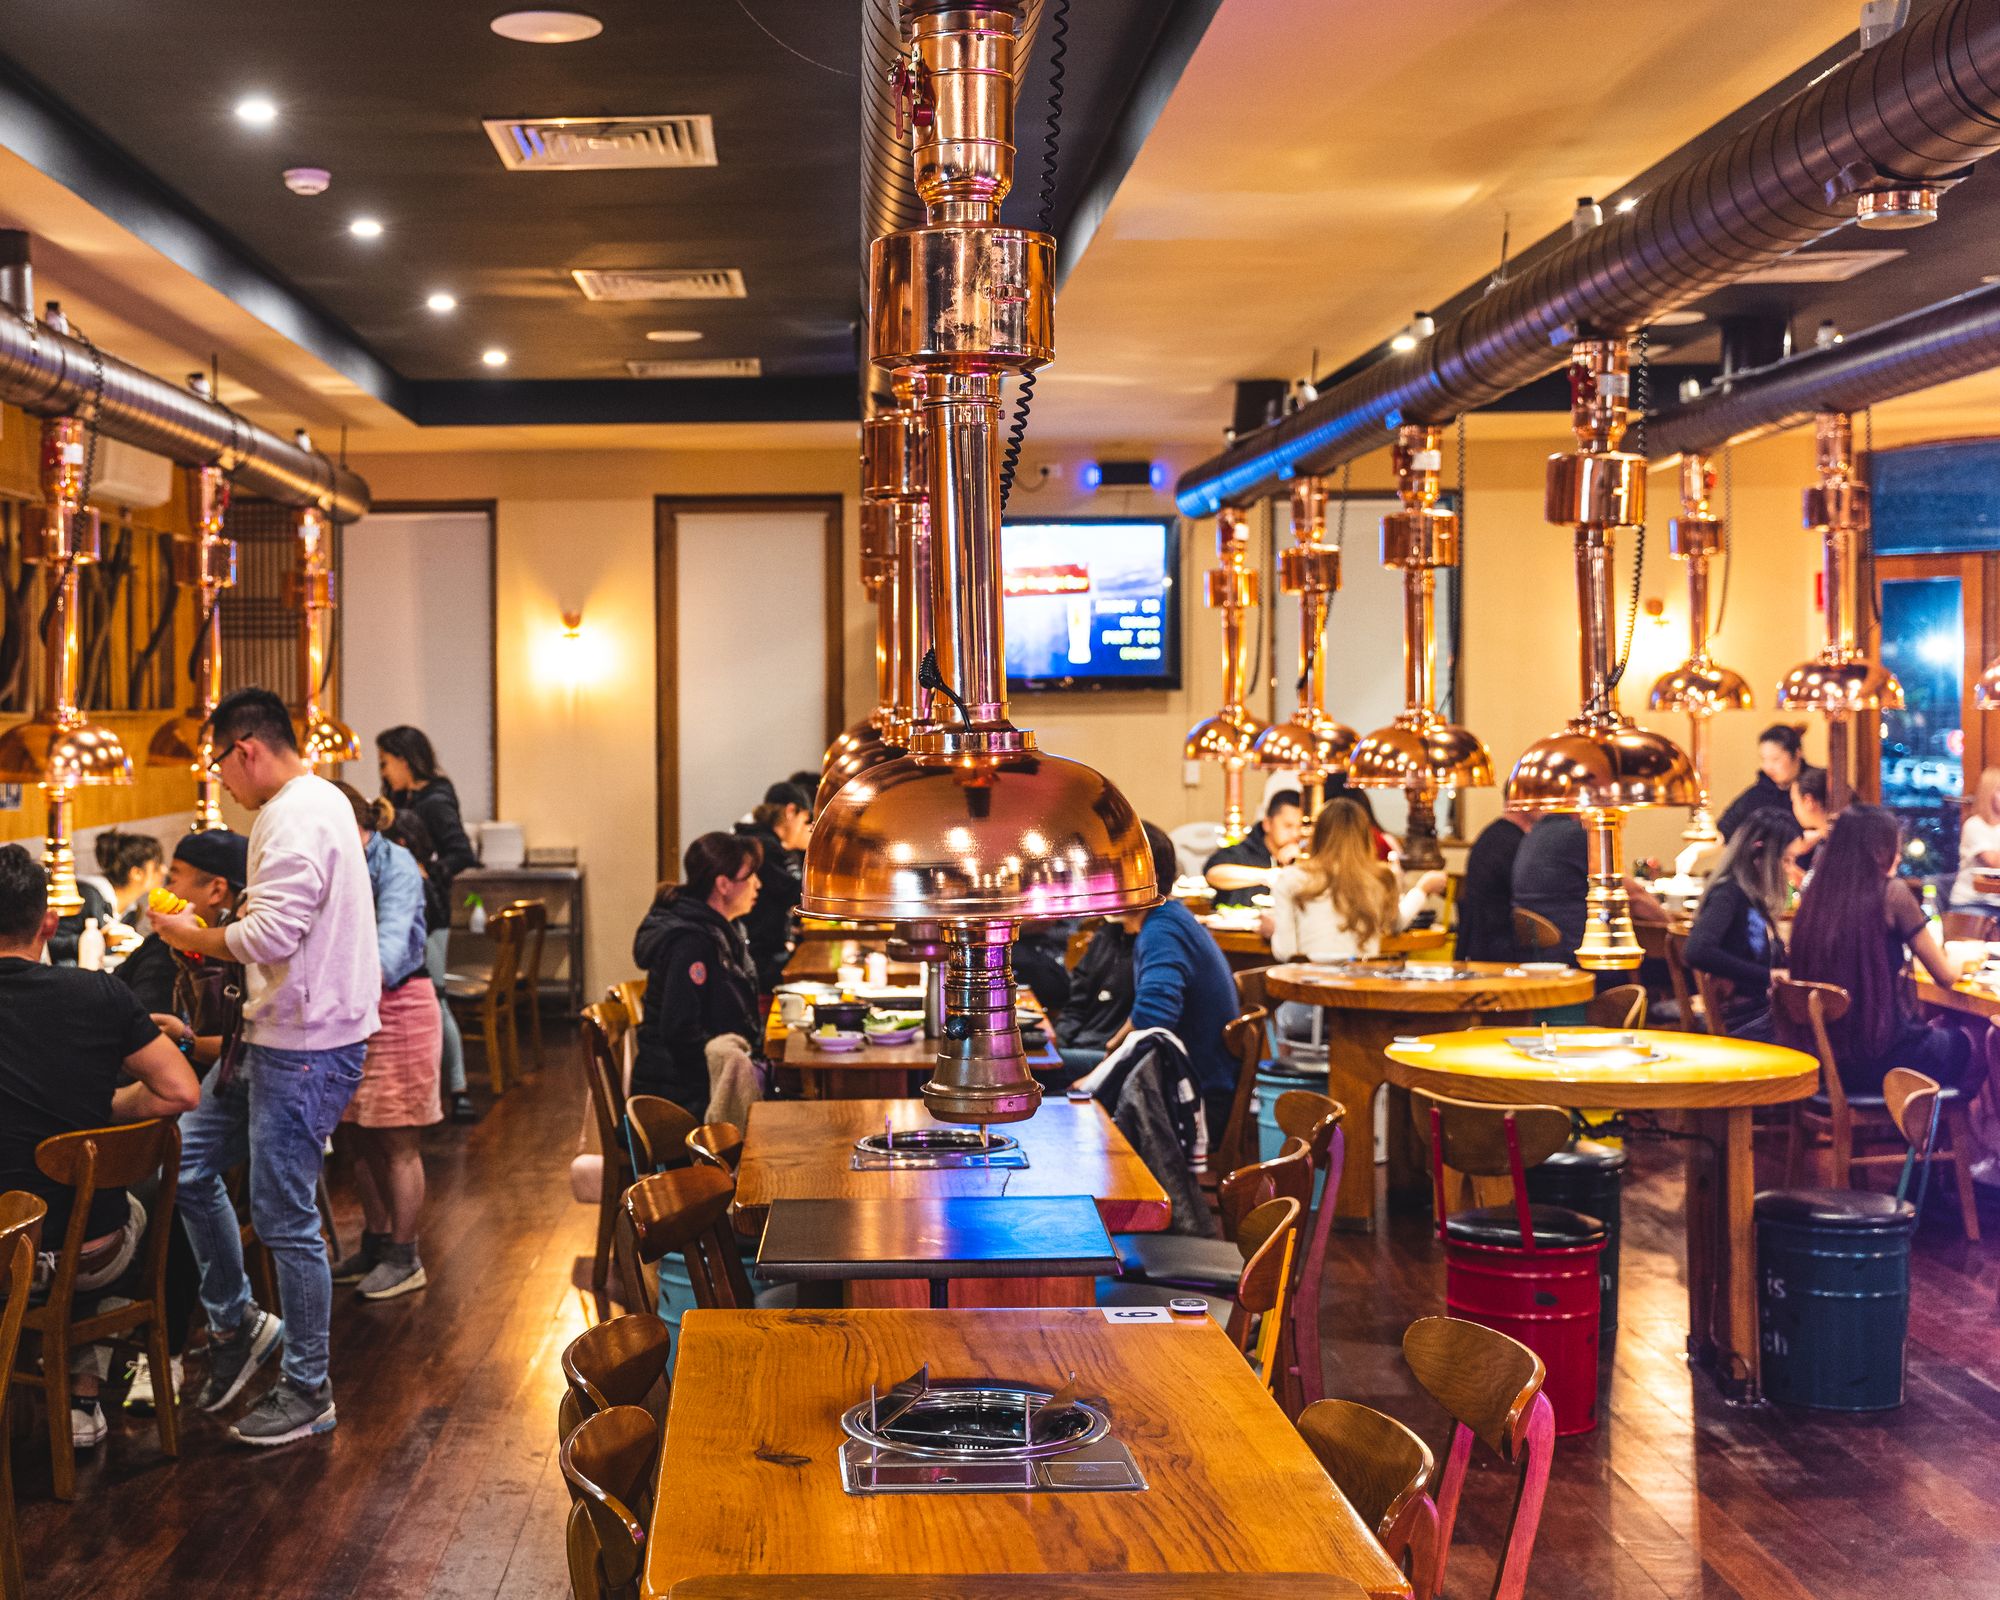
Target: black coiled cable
(1017, 429)
(1642, 396)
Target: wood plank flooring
(441, 1478)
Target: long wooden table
(1365, 1009)
(872, 1070)
(749, 1479)
(1718, 1081)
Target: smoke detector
(700, 367)
(659, 283)
(308, 180)
(602, 144)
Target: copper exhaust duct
(60, 748)
(1698, 686)
(205, 562)
(324, 740)
(1419, 752)
(1310, 742)
(1231, 734)
(1602, 765)
(973, 828)
(1840, 680)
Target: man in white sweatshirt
(304, 933)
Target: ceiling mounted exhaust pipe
(1924, 105)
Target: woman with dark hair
(700, 984)
(780, 826)
(1857, 927)
(1780, 760)
(1812, 812)
(414, 783)
(1735, 932)
(131, 866)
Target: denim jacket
(399, 908)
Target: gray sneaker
(398, 1272)
(355, 1267)
(286, 1413)
(233, 1361)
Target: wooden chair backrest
(1980, 925)
(1533, 931)
(1317, 1119)
(607, 1463)
(631, 994)
(717, 1144)
(1912, 1101)
(1475, 1135)
(1250, 989)
(601, 1075)
(1716, 993)
(1287, 1175)
(21, 1216)
(1673, 950)
(617, 1363)
(1305, 1114)
(1242, 1037)
(687, 1209)
(1268, 1240)
(1491, 1386)
(661, 1129)
(1622, 1007)
(506, 927)
(111, 1158)
(1381, 1469)
(1803, 1010)
(534, 929)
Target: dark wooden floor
(441, 1479)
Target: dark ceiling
(133, 107)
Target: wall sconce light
(572, 624)
(576, 658)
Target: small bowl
(846, 1015)
(835, 1043)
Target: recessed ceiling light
(365, 228)
(495, 358)
(256, 110)
(674, 335)
(442, 302)
(546, 27)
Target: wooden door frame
(667, 511)
(1978, 574)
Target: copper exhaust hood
(1419, 752)
(324, 740)
(1230, 735)
(1602, 764)
(1698, 686)
(60, 748)
(973, 828)
(1310, 742)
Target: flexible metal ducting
(1920, 106)
(1955, 338)
(53, 374)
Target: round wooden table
(1717, 1081)
(1366, 1007)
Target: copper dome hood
(974, 827)
(1602, 764)
(1419, 752)
(1310, 742)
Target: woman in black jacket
(414, 784)
(1781, 759)
(700, 983)
(780, 827)
(1735, 932)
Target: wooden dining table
(872, 1070)
(1247, 947)
(749, 1482)
(1718, 1082)
(1367, 1005)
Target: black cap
(218, 852)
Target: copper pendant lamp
(974, 828)
(1601, 765)
(324, 740)
(1230, 736)
(1986, 689)
(1698, 686)
(1419, 752)
(59, 748)
(1840, 681)
(1310, 741)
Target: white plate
(1547, 966)
(893, 1036)
(835, 1043)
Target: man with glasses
(304, 933)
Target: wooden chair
(1714, 993)
(1533, 931)
(1980, 925)
(1693, 1016)
(660, 1131)
(491, 995)
(1491, 1386)
(21, 1216)
(1497, 1144)
(1172, 1262)
(1622, 1007)
(1382, 1469)
(631, 994)
(599, 1023)
(1243, 1038)
(93, 1159)
(622, 1362)
(1849, 1126)
(528, 969)
(608, 1464)
(717, 1144)
(1915, 1103)
(685, 1210)
(1268, 1239)
(1317, 1120)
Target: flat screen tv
(1091, 603)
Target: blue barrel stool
(1833, 1297)
(1588, 1177)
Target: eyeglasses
(234, 746)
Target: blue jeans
(435, 945)
(276, 1112)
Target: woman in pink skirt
(398, 1097)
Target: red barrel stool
(1528, 1271)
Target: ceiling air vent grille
(1822, 266)
(715, 367)
(600, 144)
(620, 283)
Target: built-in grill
(935, 1149)
(973, 1435)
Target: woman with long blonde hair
(1979, 843)
(1341, 900)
